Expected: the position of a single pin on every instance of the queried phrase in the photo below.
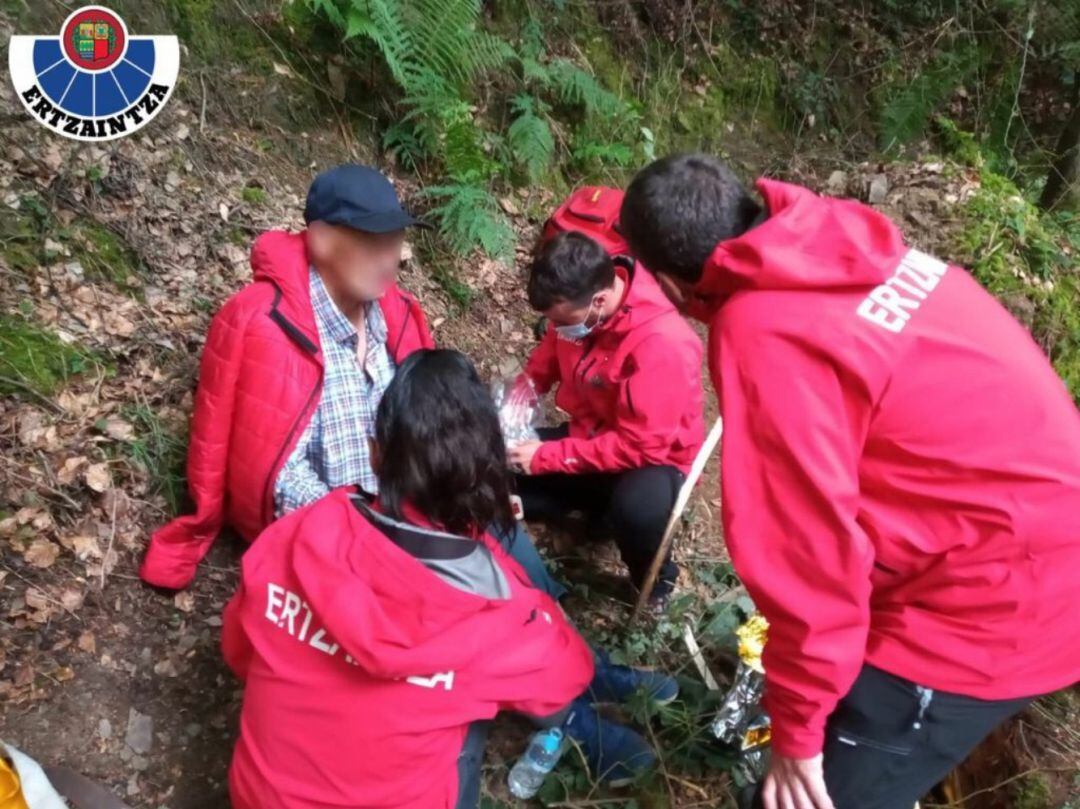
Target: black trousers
(890, 741)
(634, 504)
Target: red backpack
(594, 211)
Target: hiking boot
(615, 753)
(615, 683)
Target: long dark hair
(440, 448)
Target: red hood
(643, 300)
(395, 618)
(807, 242)
(281, 258)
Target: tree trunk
(1063, 180)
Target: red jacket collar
(642, 301)
(281, 258)
(807, 242)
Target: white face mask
(576, 332)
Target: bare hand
(796, 783)
(521, 455)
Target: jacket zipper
(304, 416)
(404, 327)
(586, 369)
(630, 399)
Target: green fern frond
(450, 41)
(330, 9)
(436, 51)
(531, 141)
(618, 154)
(576, 86)
(469, 217)
(907, 113)
(406, 141)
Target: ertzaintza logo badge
(95, 81)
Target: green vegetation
(210, 30)
(161, 452)
(1031, 792)
(36, 360)
(103, 254)
(20, 240)
(682, 730)
(1027, 258)
(101, 251)
(253, 195)
(481, 109)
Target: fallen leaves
(97, 477)
(72, 598)
(184, 601)
(36, 599)
(42, 553)
(84, 546)
(34, 431)
(69, 470)
(87, 642)
(118, 429)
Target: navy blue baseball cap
(358, 197)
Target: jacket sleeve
(542, 367)
(236, 646)
(538, 670)
(792, 444)
(649, 409)
(176, 549)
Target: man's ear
(373, 449)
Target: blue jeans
(470, 762)
(517, 542)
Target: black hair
(571, 267)
(677, 209)
(440, 448)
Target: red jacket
(632, 388)
(901, 466)
(363, 668)
(259, 383)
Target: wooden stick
(680, 504)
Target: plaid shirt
(334, 449)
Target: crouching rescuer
(627, 370)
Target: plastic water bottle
(541, 756)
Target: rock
(104, 729)
(879, 189)
(837, 183)
(140, 731)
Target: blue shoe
(616, 754)
(615, 683)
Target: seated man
(375, 637)
(628, 372)
(293, 370)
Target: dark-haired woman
(375, 638)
